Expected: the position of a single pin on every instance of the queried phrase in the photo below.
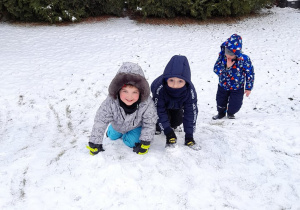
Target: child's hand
(247, 92)
(95, 148)
(230, 62)
(171, 138)
(189, 141)
(141, 148)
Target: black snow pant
(175, 117)
(229, 100)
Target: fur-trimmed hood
(129, 73)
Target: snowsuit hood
(234, 44)
(129, 73)
(179, 67)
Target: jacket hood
(234, 44)
(130, 73)
(179, 67)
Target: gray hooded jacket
(110, 110)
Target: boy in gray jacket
(128, 109)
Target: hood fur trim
(129, 78)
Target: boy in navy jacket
(236, 77)
(175, 98)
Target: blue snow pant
(229, 100)
(129, 138)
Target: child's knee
(130, 142)
(113, 134)
(132, 137)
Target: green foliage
(54, 11)
(60, 10)
(160, 8)
(18, 9)
(200, 9)
(203, 9)
(105, 7)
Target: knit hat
(228, 52)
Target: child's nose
(130, 96)
(175, 85)
(172, 85)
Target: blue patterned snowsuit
(234, 80)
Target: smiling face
(175, 82)
(129, 94)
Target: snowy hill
(54, 78)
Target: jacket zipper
(122, 113)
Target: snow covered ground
(53, 79)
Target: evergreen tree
(200, 9)
(73, 10)
(60, 10)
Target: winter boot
(189, 141)
(171, 139)
(230, 116)
(218, 116)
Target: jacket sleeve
(190, 114)
(160, 103)
(103, 117)
(249, 69)
(149, 120)
(219, 67)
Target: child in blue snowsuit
(236, 77)
(175, 98)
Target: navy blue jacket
(185, 98)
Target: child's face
(129, 95)
(230, 57)
(175, 82)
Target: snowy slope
(53, 79)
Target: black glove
(141, 148)
(171, 138)
(189, 141)
(95, 148)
